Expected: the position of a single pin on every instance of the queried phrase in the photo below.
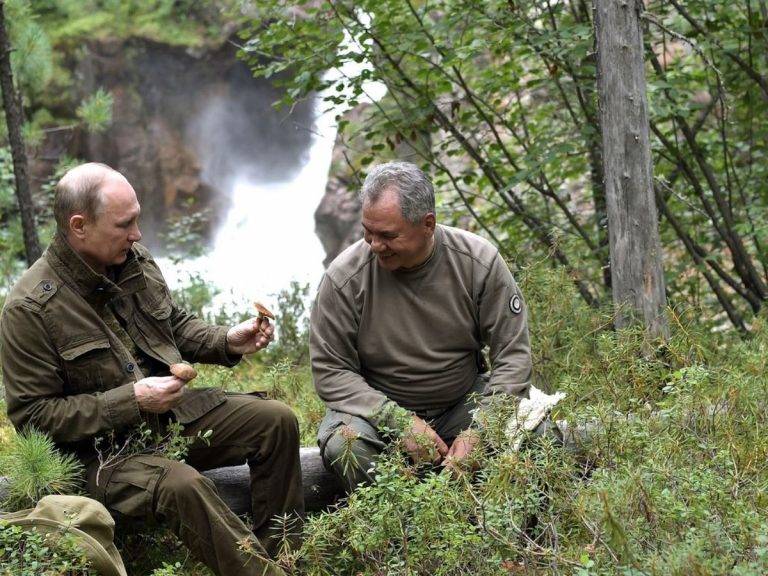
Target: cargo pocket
(331, 422)
(197, 403)
(129, 489)
(84, 362)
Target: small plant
(166, 569)
(35, 468)
(32, 553)
(347, 457)
(293, 326)
(172, 444)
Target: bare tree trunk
(12, 106)
(636, 264)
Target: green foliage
(195, 296)
(292, 343)
(168, 570)
(184, 233)
(32, 59)
(31, 553)
(35, 468)
(170, 442)
(11, 240)
(173, 22)
(96, 111)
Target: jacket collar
(126, 278)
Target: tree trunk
(13, 119)
(636, 264)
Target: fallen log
(321, 488)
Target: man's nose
(376, 244)
(135, 234)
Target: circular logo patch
(515, 304)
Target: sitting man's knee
(285, 416)
(182, 484)
(347, 445)
(283, 422)
(274, 415)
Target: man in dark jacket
(88, 334)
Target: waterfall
(267, 239)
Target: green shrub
(34, 468)
(31, 553)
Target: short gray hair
(78, 192)
(417, 196)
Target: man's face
(397, 243)
(107, 238)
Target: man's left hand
(250, 336)
(461, 454)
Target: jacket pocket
(160, 309)
(84, 362)
(197, 403)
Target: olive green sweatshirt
(414, 337)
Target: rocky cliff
(184, 125)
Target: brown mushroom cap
(263, 310)
(183, 371)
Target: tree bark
(13, 119)
(636, 265)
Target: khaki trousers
(246, 429)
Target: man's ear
(77, 226)
(429, 221)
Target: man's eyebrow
(131, 218)
(382, 232)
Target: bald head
(79, 192)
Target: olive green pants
(368, 443)
(245, 428)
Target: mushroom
(264, 312)
(183, 371)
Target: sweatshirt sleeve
(34, 385)
(334, 357)
(504, 328)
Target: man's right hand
(158, 394)
(423, 444)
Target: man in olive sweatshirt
(398, 326)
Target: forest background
(497, 100)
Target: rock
(184, 125)
(337, 218)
